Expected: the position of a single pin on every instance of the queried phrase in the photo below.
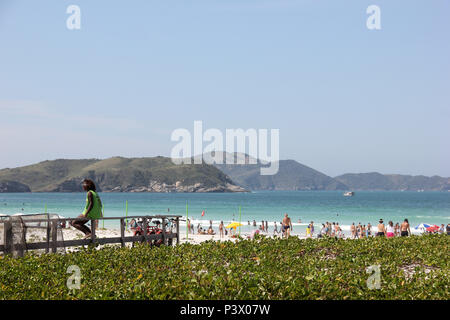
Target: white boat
(349, 194)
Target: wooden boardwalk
(7, 246)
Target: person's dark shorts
(80, 220)
(404, 233)
(380, 234)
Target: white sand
(73, 234)
(199, 238)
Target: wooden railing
(53, 225)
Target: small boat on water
(349, 194)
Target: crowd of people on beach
(200, 229)
(328, 229)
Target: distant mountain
(157, 174)
(291, 176)
(378, 181)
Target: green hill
(157, 174)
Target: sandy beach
(70, 233)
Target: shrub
(411, 268)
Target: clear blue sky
(345, 98)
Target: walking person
(287, 225)
(353, 230)
(397, 229)
(308, 231)
(340, 233)
(93, 209)
(322, 232)
(381, 229)
(405, 229)
(390, 230)
(282, 229)
(221, 229)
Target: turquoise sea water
(317, 206)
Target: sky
(345, 98)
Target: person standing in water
(275, 230)
(93, 209)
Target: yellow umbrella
(234, 225)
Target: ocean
(317, 206)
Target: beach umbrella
(422, 226)
(433, 228)
(234, 225)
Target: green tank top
(96, 211)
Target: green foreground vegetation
(411, 268)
